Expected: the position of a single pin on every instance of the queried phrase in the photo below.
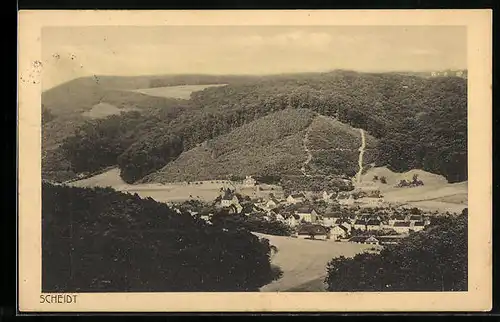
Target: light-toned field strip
(304, 261)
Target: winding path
(308, 152)
(361, 152)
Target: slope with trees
(100, 240)
(419, 122)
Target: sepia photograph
(295, 158)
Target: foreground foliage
(100, 240)
(432, 260)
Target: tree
(383, 180)
(432, 260)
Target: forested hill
(419, 122)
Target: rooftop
(402, 224)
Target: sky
(73, 52)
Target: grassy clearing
(179, 92)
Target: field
(181, 92)
(103, 110)
(303, 262)
(172, 192)
(435, 194)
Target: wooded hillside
(419, 122)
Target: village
(358, 216)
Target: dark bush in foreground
(100, 240)
(432, 260)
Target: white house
(418, 226)
(272, 203)
(338, 232)
(296, 198)
(373, 224)
(230, 200)
(402, 227)
(372, 240)
(307, 214)
(292, 220)
(359, 225)
(347, 226)
(249, 181)
(330, 219)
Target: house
(418, 226)
(330, 219)
(402, 227)
(292, 220)
(249, 181)
(396, 218)
(372, 240)
(347, 226)
(230, 200)
(359, 225)
(307, 214)
(345, 199)
(338, 232)
(373, 224)
(296, 198)
(313, 231)
(279, 217)
(390, 240)
(364, 240)
(415, 218)
(327, 197)
(272, 203)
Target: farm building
(402, 227)
(418, 226)
(364, 240)
(373, 224)
(249, 181)
(307, 214)
(292, 220)
(296, 198)
(359, 224)
(313, 231)
(390, 240)
(338, 232)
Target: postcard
(255, 161)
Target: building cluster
(328, 216)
